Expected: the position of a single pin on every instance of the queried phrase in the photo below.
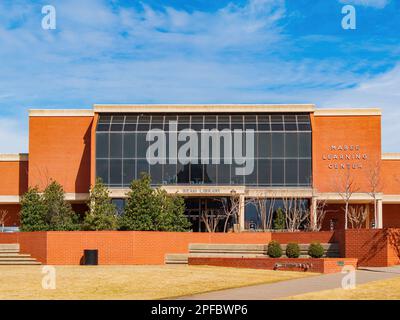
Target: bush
(102, 214)
(149, 209)
(279, 220)
(33, 212)
(316, 250)
(292, 250)
(274, 249)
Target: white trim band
(14, 157)
(61, 113)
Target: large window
(280, 151)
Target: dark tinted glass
(115, 145)
(102, 170)
(102, 144)
(116, 172)
(128, 172)
(264, 172)
(278, 172)
(291, 169)
(305, 177)
(291, 145)
(129, 145)
(278, 145)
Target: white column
(313, 213)
(241, 213)
(379, 215)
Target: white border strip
(348, 112)
(390, 156)
(202, 108)
(14, 157)
(61, 113)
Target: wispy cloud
(107, 52)
(379, 4)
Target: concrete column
(241, 212)
(313, 213)
(379, 215)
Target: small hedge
(292, 250)
(274, 249)
(316, 250)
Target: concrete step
(9, 246)
(19, 263)
(176, 258)
(17, 259)
(13, 254)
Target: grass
(130, 282)
(377, 290)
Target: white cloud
(378, 4)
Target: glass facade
(280, 152)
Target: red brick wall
(8, 238)
(325, 265)
(303, 237)
(12, 218)
(34, 243)
(391, 215)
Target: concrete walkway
(297, 286)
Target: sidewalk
(298, 286)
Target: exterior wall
(60, 149)
(14, 178)
(390, 172)
(324, 265)
(363, 131)
(12, 219)
(391, 215)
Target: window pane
(116, 172)
(129, 145)
(103, 127)
(223, 122)
(156, 174)
(277, 172)
(142, 166)
(264, 123)
(237, 122)
(251, 179)
(210, 173)
(143, 123)
(196, 173)
(277, 123)
(224, 174)
(305, 145)
(183, 173)
(115, 145)
(264, 172)
(250, 123)
(291, 172)
(291, 145)
(157, 122)
(277, 145)
(305, 172)
(128, 172)
(169, 176)
(102, 140)
(264, 145)
(142, 145)
(102, 170)
(210, 122)
(197, 123)
(183, 122)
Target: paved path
(297, 286)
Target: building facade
(282, 155)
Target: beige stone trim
(10, 199)
(202, 108)
(391, 156)
(14, 157)
(77, 197)
(61, 113)
(391, 199)
(348, 112)
(355, 198)
(279, 192)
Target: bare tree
(296, 213)
(346, 186)
(357, 216)
(320, 214)
(265, 211)
(375, 185)
(211, 219)
(3, 218)
(230, 208)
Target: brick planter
(323, 265)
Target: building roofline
(348, 112)
(61, 113)
(14, 157)
(201, 108)
(391, 156)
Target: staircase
(9, 255)
(240, 251)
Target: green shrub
(274, 249)
(316, 250)
(292, 250)
(279, 222)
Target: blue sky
(199, 51)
